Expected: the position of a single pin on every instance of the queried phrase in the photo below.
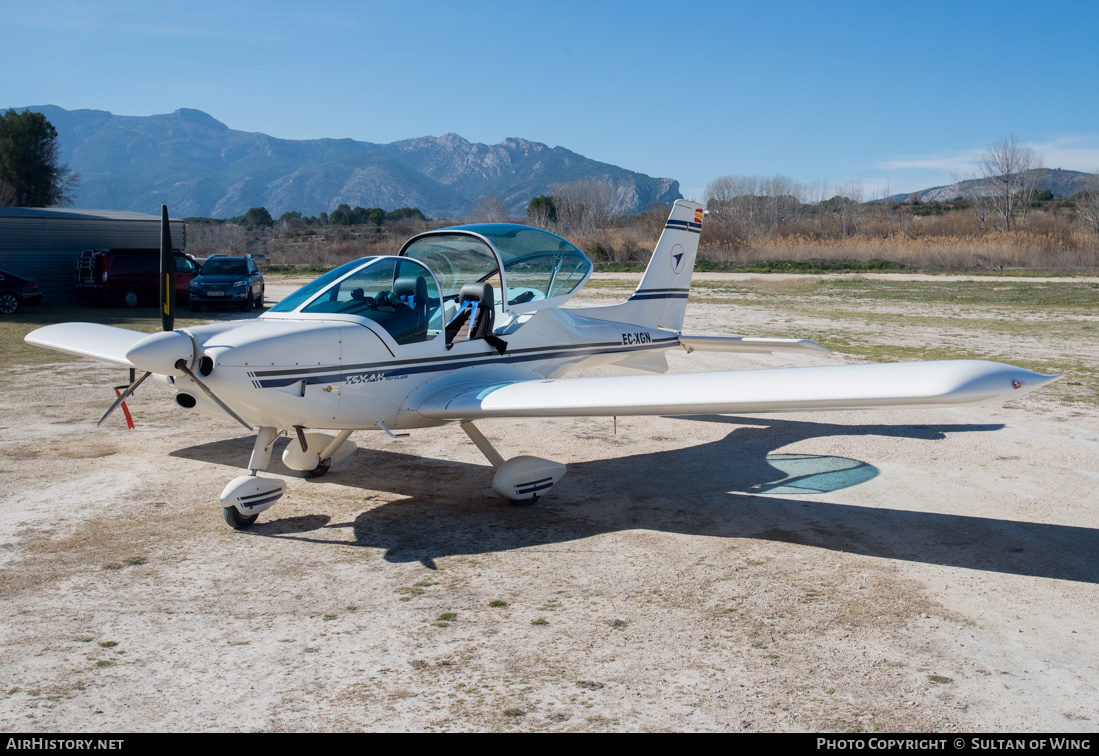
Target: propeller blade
(167, 274)
(181, 365)
(122, 397)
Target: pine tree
(31, 174)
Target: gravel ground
(880, 571)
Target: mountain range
(1060, 182)
(198, 166)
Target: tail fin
(661, 298)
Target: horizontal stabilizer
(101, 342)
(748, 344)
(894, 385)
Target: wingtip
(1032, 381)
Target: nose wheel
(248, 495)
(236, 520)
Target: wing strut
(483, 444)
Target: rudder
(660, 300)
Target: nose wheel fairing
(251, 494)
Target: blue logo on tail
(677, 258)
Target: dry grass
(952, 241)
(327, 246)
(110, 544)
(998, 249)
(13, 328)
(940, 243)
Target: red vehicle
(129, 277)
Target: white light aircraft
(467, 323)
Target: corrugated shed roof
(71, 214)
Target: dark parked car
(16, 292)
(128, 277)
(227, 281)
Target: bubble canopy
(398, 295)
(535, 269)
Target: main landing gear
(520, 480)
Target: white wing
(892, 385)
(101, 342)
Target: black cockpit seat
(476, 314)
(412, 291)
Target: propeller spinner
(167, 303)
(169, 352)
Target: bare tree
(1008, 169)
(782, 200)
(755, 205)
(720, 192)
(731, 203)
(583, 206)
(601, 201)
(975, 190)
(815, 193)
(204, 239)
(881, 209)
(569, 201)
(1087, 203)
(848, 206)
(732, 200)
(1028, 188)
(490, 210)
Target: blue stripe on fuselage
(401, 369)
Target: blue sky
(892, 94)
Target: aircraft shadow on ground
(709, 489)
